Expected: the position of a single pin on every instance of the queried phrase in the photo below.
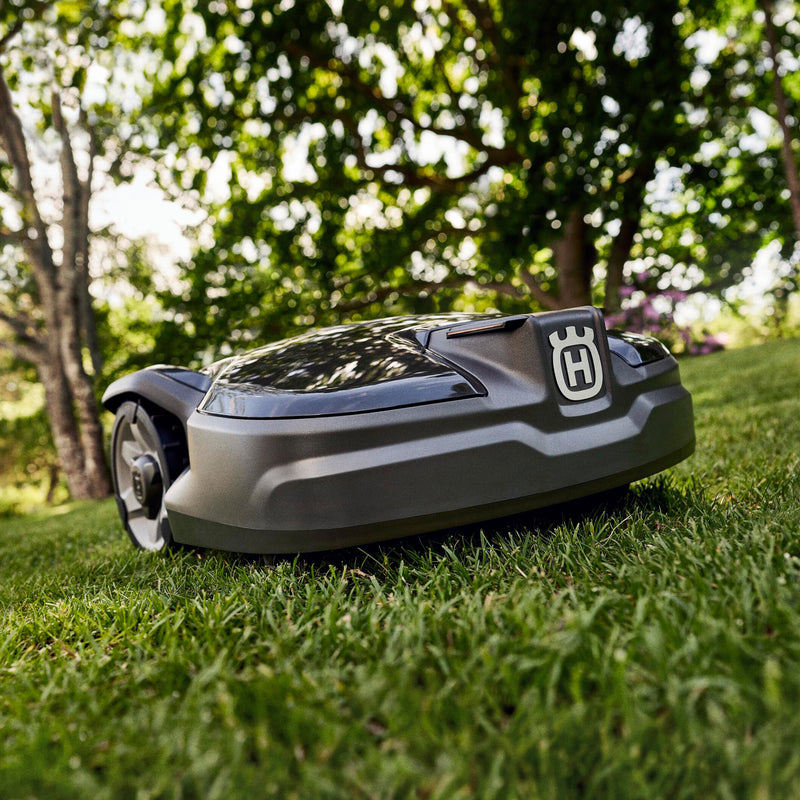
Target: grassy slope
(647, 651)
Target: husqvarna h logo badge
(576, 363)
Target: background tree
(788, 46)
(735, 194)
(46, 315)
(394, 157)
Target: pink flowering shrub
(654, 314)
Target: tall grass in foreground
(644, 650)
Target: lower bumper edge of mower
(215, 535)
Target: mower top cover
(380, 429)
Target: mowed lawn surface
(646, 650)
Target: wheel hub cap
(147, 484)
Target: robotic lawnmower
(381, 429)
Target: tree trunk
(89, 427)
(58, 402)
(58, 351)
(88, 323)
(789, 165)
(574, 261)
(75, 227)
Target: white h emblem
(585, 361)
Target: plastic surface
(174, 389)
(350, 369)
(563, 415)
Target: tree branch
(7, 236)
(88, 323)
(411, 177)
(382, 292)
(28, 350)
(72, 192)
(34, 10)
(12, 32)
(712, 287)
(12, 140)
(789, 166)
(508, 68)
(22, 325)
(414, 177)
(482, 14)
(437, 57)
(452, 12)
(544, 298)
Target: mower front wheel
(148, 452)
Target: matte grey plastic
(174, 389)
(562, 417)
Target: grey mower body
(382, 429)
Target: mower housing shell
(540, 411)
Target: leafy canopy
(373, 156)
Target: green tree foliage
(28, 465)
(394, 157)
(736, 190)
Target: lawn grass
(647, 650)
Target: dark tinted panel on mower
(343, 370)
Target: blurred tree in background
(746, 187)
(369, 158)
